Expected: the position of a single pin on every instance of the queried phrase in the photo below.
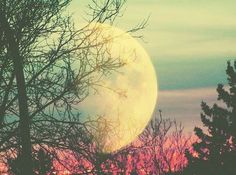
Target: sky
(189, 43)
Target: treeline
(40, 92)
(162, 149)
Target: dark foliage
(42, 163)
(215, 151)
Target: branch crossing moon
(124, 98)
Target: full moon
(125, 98)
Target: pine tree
(215, 150)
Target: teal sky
(189, 42)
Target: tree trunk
(24, 123)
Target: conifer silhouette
(216, 146)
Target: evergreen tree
(215, 150)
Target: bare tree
(39, 88)
(159, 150)
(164, 143)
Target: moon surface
(125, 101)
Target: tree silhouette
(215, 152)
(39, 89)
(164, 143)
(42, 163)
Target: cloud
(189, 41)
(184, 105)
